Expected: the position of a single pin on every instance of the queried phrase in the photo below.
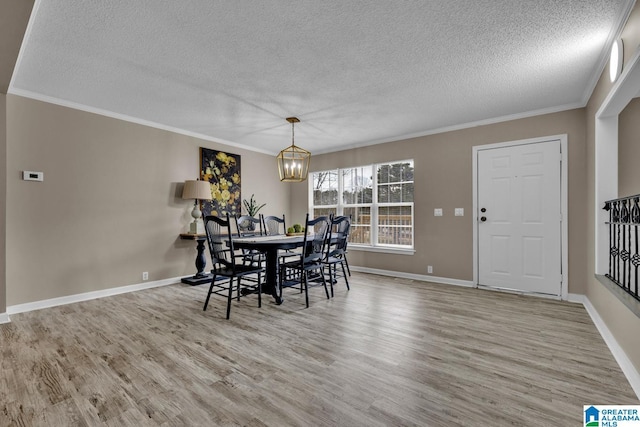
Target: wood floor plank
(390, 351)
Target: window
(325, 193)
(395, 204)
(379, 199)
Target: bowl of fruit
(296, 230)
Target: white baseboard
(421, 277)
(53, 302)
(577, 298)
(4, 318)
(618, 353)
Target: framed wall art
(222, 170)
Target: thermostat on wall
(32, 176)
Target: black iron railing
(624, 256)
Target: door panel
(500, 254)
(500, 211)
(532, 257)
(519, 243)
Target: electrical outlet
(145, 275)
(459, 212)
(437, 212)
(429, 269)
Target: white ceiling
(355, 72)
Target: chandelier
(293, 161)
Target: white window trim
(382, 249)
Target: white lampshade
(199, 190)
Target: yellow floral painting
(222, 170)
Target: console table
(200, 277)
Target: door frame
(564, 238)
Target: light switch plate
(437, 212)
(32, 176)
(459, 212)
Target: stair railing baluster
(624, 243)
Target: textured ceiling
(354, 72)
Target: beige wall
(14, 17)
(629, 150)
(3, 201)
(110, 205)
(443, 179)
(620, 321)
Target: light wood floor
(389, 352)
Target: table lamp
(197, 190)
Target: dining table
(270, 246)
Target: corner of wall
(3, 204)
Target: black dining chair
(309, 260)
(248, 226)
(346, 242)
(347, 232)
(276, 226)
(336, 249)
(220, 242)
(273, 225)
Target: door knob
(483, 219)
(483, 210)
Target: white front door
(519, 218)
